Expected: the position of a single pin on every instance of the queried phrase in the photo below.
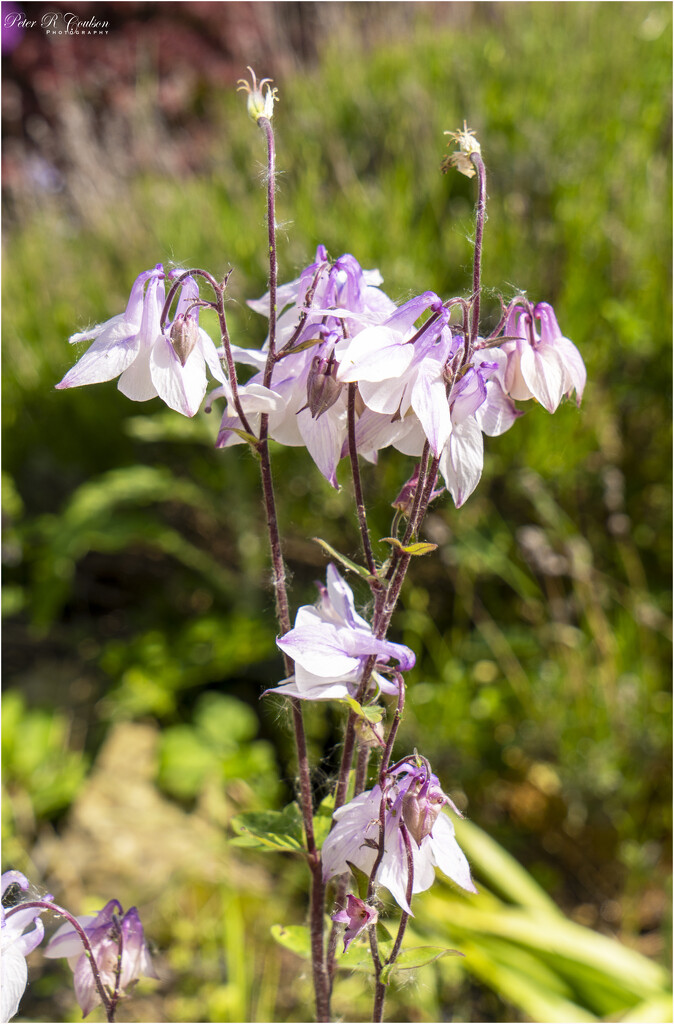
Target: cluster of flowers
(415, 384)
(116, 941)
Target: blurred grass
(135, 567)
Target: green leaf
(295, 937)
(358, 956)
(344, 560)
(302, 346)
(250, 438)
(420, 548)
(371, 712)
(323, 819)
(270, 830)
(362, 880)
(409, 959)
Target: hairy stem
(320, 974)
(357, 483)
(480, 213)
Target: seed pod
(420, 812)
(184, 336)
(323, 390)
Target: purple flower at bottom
(356, 916)
(413, 798)
(104, 932)
(15, 946)
(330, 645)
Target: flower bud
(184, 336)
(370, 734)
(356, 916)
(323, 390)
(421, 807)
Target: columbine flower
(467, 143)
(330, 645)
(355, 835)
(15, 946)
(104, 933)
(357, 916)
(259, 104)
(326, 301)
(148, 362)
(543, 366)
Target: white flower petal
(14, 981)
(182, 387)
(448, 855)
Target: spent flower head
(260, 104)
(468, 144)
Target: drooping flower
(108, 932)
(148, 361)
(15, 946)
(357, 916)
(330, 645)
(413, 798)
(544, 365)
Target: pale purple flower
(544, 365)
(334, 299)
(475, 405)
(330, 644)
(104, 932)
(133, 347)
(15, 945)
(357, 916)
(398, 368)
(355, 835)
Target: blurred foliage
(136, 584)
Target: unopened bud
(421, 808)
(370, 734)
(323, 389)
(405, 499)
(184, 336)
(357, 916)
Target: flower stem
(320, 974)
(265, 124)
(480, 213)
(357, 483)
(380, 990)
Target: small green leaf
(250, 438)
(371, 712)
(302, 346)
(270, 830)
(362, 880)
(409, 959)
(344, 560)
(295, 937)
(323, 819)
(420, 548)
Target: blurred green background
(138, 614)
